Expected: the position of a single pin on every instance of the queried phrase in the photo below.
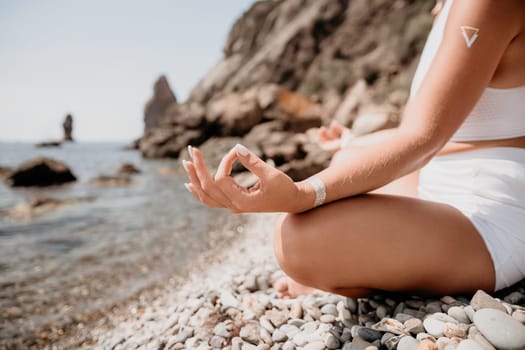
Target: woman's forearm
(361, 168)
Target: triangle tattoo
(470, 34)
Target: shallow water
(59, 266)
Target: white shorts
(487, 186)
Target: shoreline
(103, 322)
(210, 274)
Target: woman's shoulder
(510, 13)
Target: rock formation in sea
(40, 172)
(292, 65)
(67, 125)
(157, 105)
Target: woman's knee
(291, 245)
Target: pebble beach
(228, 302)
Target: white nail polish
(243, 151)
(190, 151)
(187, 185)
(185, 165)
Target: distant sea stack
(67, 125)
(291, 65)
(157, 105)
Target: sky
(98, 60)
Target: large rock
(354, 97)
(40, 172)
(234, 114)
(315, 161)
(298, 112)
(292, 61)
(373, 119)
(156, 107)
(168, 142)
(188, 115)
(313, 46)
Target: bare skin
(373, 233)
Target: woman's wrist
(307, 196)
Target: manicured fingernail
(190, 151)
(187, 185)
(185, 165)
(243, 151)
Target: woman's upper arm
(462, 67)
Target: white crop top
(498, 114)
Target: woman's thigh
(384, 242)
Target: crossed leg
(382, 241)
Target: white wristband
(319, 188)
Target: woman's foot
(287, 288)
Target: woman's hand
(274, 191)
(334, 137)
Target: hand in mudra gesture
(333, 138)
(274, 191)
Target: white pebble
(500, 329)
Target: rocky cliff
(290, 65)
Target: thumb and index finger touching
(247, 158)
